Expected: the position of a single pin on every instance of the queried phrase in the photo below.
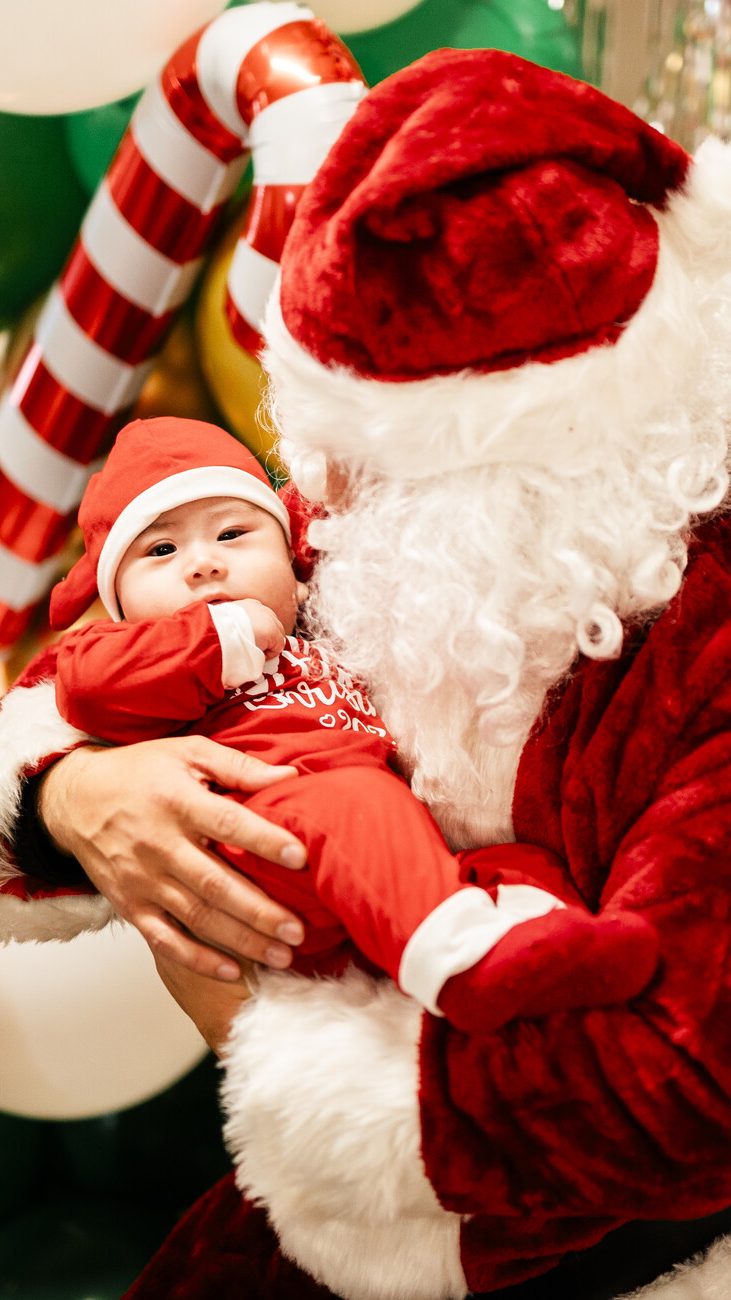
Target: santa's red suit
(500, 275)
(471, 1163)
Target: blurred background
(109, 1125)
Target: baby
(188, 547)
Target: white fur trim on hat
(321, 1093)
(536, 413)
(178, 490)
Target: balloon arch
(268, 79)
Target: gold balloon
(234, 376)
(17, 341)
(177, 386)
(34, 639)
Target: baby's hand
(269, 634)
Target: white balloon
(59, 56)
(339, 15)
(87, 1027)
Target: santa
(499, 356)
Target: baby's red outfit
(385, 864)
(378, 865)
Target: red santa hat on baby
(154, 466)
(479, 218)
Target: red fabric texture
(127, 682)
(551, 1132)
(31, 890)
(477, 211)
(377, 864)
(40, 669)
(566, 959)
(223, 1249)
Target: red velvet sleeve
(617, 1113)
(126, 682)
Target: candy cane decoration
(269, 79)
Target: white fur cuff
(461, 930)
(323, 1124)
(31, 728)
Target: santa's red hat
(483, 228)
(155, 465)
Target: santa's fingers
(216, 905)
(211, 816)
(167, 941)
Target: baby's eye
(162, 548)
(230, 534)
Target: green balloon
(79, 1249)
(41, 206)
(85, 1204)
(526, 27)
(142, 1146)
(106, 1192)
(21, 1159)
(92, 138)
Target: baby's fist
(269, 635)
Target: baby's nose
(205, 564)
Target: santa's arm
(617, 1111)
(139, 819)
(126, 682)
(609, 1112)
(596, 1116)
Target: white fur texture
(323, 1123)
(536, 413)
(30, 728)
(702, 1278)
(60, 918)
(320, 1093)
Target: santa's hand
(269, 634)
(138, 819)
(210, 1003)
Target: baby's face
(216, 549)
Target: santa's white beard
(462, 600)
(462, 597)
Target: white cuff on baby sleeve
(242, 660)
(461, 930)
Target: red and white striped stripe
(267, 79)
